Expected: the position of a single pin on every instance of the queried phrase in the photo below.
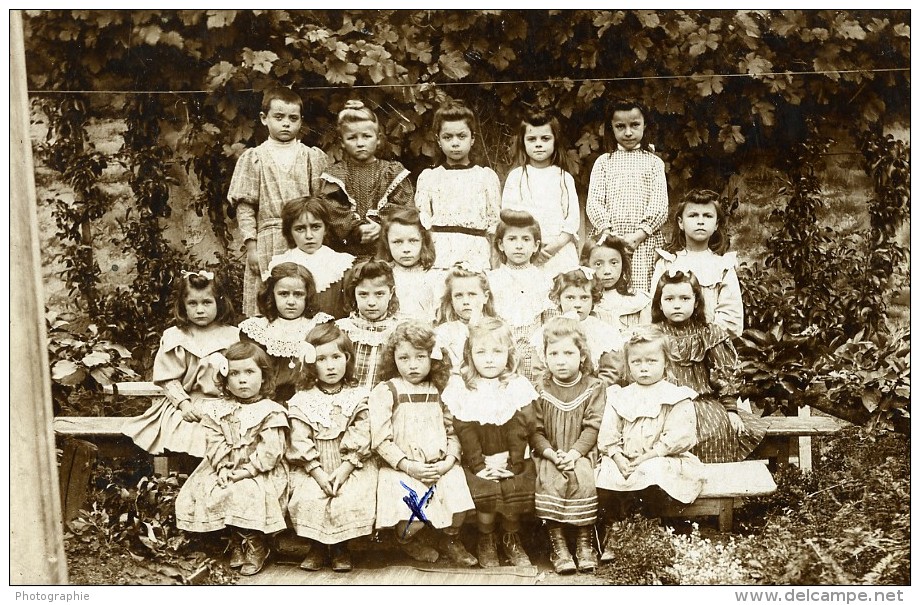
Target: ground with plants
(848, 522)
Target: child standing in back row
(459, 201)
(361, 187)
(542, 186)
(280, 169)
(628, 191)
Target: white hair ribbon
(307, 353)
(220, 362)
(587, 271)
(208, 275)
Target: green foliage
(846, 523)
(644, 554)
(82, 359)
(140, 518)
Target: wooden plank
(36, 544)
(737, 479)
(89, 426)
(77, 463)
(133, 389)
(800, 427)
(805, 443)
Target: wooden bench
(786, 434)
(724, 485)
(85, 438)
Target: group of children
(411, 355)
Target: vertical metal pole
(36, 538)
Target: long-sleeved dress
(327, 430)
(410, 421)
(628, 191)
(264, 178)
(704, 359)
(494, 422)
(184, 367)
(368, 338)
(419, 292)
(452, 336)
(549, 195)
(657, 418)
(718, 280)
(567, 418)
(329, 270)
(360, 193)
(604, 342)
(460, 205)
(521, 298)
(248, 437)
(283, 340)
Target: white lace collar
(640, 401)
(316, 407)
(522, 294)
(200, 343)
(708, 267)
(249, 415)
(282, 337)
(325, 265)
(491, 402)
(371, 333)
(623, 304)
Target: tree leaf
(851, 30)
(62, 369)
(220, 18)
(755, 65)
(220, 74)
(341, 72)
(604, 20)
(590, 90)
(902, 30)
(708, 84)
(259, 60)
(95, 358)
(454, 65)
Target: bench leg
(805, 443)
(76, 467)
(726, 511)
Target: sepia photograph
(423, 298)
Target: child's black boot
(584, 549)
(560, 556)
(255, 551)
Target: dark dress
(704, 359)
(495, 421)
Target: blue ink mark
(415, 505)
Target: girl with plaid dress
(280, 169)
(628, 191)
(521, 289)
(370, 298)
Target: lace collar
(316, 407)
(199, 343)
(623, 304)
(282, 337)
(325, 265)
(639, 401)
(249, 415)
(491, 402)
(708, 267)
(372, 333)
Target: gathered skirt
(348, 515)
(511, 497)
(681, 477)
(161, 428)
(717, 440)
(567, 497)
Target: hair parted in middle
(698, 317)
(266, 297)
(323, 334)
(560, 328)
(239, 351)
(422, 337)
(719, 241)
(293, 209)
(624, 284)
(410, 217)
(458, 271)
(488, 328)
(541, 118)
(370, 269)
(521, 220)
(627, 104)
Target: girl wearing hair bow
(185, 367)
(576, 293)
